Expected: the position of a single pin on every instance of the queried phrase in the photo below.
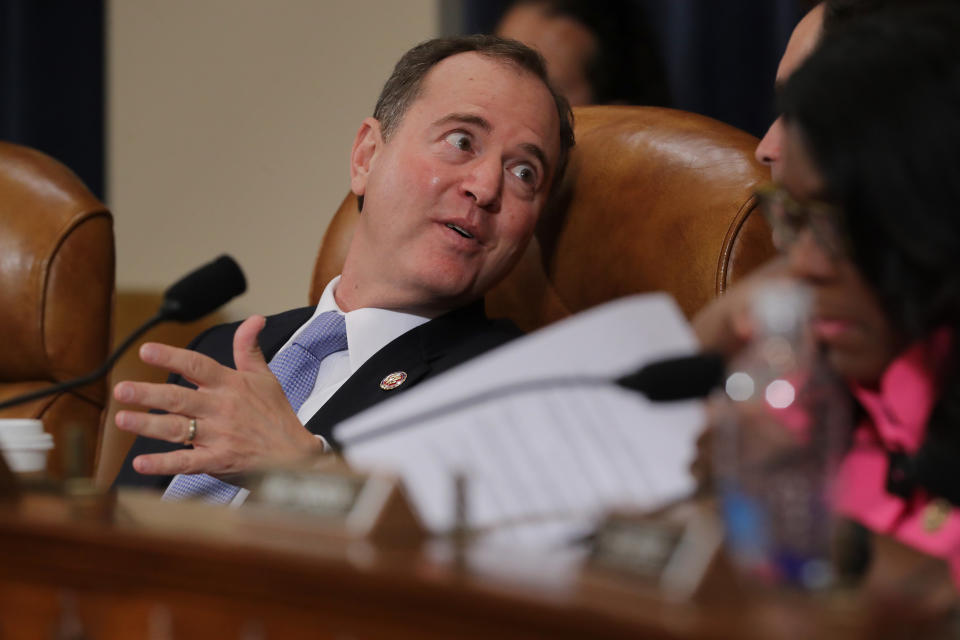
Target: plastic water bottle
(781, 427)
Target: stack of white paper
(543, 464)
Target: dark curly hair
(878, 103)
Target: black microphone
(203, 290)
(193, 296)
(682, 378)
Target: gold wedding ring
(191, 431)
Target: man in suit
(452, 171)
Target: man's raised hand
(242, 416)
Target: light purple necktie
(296, 368)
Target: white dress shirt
(368, 331)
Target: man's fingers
(199, 369)
(169, 427)
(166, 397)
(173, 462)
(246, 351)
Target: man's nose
(484, 183)
(768, 151)
(808, 260)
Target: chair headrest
(56, 269)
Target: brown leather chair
(654, 200)
(56, 291)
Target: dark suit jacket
(427, 350)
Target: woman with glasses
(867, 214)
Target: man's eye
(525, 172)
(459, 140)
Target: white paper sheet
(542, 465)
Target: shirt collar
(368, 329)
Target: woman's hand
(724, 326)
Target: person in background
(597, 52)
(802, 41)
(824, 17)
(724, 325)
(867, 216)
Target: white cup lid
(18, 427)
(42, 440)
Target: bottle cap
(781, 306)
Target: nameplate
(337, 499)
(325, 495)
(671, 552)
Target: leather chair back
(653, 200)
(56, 292)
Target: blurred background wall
(230, 125)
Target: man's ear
(366, 147)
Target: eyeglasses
(789, 219)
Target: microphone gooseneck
(203, 290)
(190, 298)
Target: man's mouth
(463, 232)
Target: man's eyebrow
(465, 118)
(538, 153)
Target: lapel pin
(935, 515)
(393, 380)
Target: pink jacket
(897, 415)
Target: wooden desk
(161, 571)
